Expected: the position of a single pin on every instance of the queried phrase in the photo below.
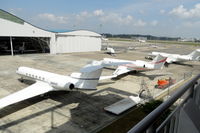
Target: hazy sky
(155, 17)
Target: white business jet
(110, 51)
(125, 66)
(46, 81)
(141, 41)
(171, 58)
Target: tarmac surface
(81, 111)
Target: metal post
(52, 123)
(151, 129)
(11, 46)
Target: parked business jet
(125, 66)
(110, 51)
(46, 81)
(171, 58)
(141, 41)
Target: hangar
(18, 36)
(78, 41)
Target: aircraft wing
(171, 59)
(35, 89)
(107, 77)
(121, 70)
(127, 68)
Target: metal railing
(190, 90)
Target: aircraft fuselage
(57, 81)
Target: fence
(189, 92)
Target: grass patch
(121, 39)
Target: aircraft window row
(37, 77)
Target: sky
(172, 18)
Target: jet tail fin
(195, 54)
(89, 76)
(158, 62)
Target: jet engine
(61, 83)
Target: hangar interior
(22, 45)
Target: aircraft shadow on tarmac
(178, 63)
(105, 83)
(88, 111)
(26, 81)
(139, 74)
(109, 68)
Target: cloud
(190, 24)
(84, 14)
(120, 19)
(141, 11)
(140, 23)
(154, 23)
(162, 11)
(184, 13)
(98, 13)
(53, 18)
(112, 21)
(81, 17)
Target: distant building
(17, 35)
(186, 39)
(140, 39)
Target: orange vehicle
(164, 83)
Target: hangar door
(68, 44)
(23, 45)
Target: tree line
(134, 36)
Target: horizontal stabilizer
(95, 65)
(34, 90)
(107, 77)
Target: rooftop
(10, 17)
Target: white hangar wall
(13, 26)
(67, 42)
(9, 28)
(78, 41)
(12, 29)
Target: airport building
(19, 36)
